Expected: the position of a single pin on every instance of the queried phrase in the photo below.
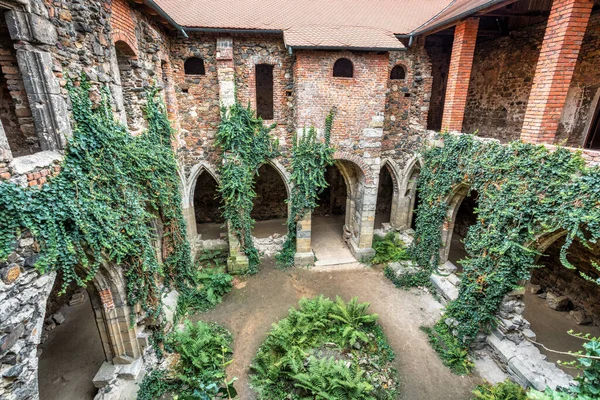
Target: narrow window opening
(264, 91)
(343, 68)
(15, 114)
(194, 66)
(593, 139)
(398, 73)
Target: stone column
(33, 33)
(5, 153)
(463, 48)
(237, 263)
(365, 204)
(304, 254)
(562, 40)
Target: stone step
(131, 371)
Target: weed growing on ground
(506, 390)
(453, 355)
(201, 352)
(389, 249)
(325, 350)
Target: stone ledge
(25, 164)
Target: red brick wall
(123, 25)
(461, 62)
(564, 33)
(357, 99)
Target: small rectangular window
(264, 91)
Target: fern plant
(353, 315)
(330, 379)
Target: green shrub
(453, 355)
(314, 353)
(407, 281)
(203, 351)
(550, 394)
(506, 390)
(389, 249)
(213, 284)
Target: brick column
(463, 48)
(564, 33)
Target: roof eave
(452, 21)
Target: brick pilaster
(564, 33)
(463, 48)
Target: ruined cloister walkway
(257, 302)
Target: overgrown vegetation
(325, 350)
(99, 210)
(506, 390)
(525, 191)
(199, 354)
(389, 248)
(245, 145)
(310, 157)
(453, 355)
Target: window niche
(194, 66)
(343, 68)
(398, 73)
(264, 91)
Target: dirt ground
(551, 327)
(71, 356)
(259, 301)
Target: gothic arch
(453, 200)
(203, 166)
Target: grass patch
(325, 350)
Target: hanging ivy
(310, 157)
(525, 191)
(100, 208)
(245, 145)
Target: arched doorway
(333, 220)
(210, 224)
(465, 218)
(270, 209)
(558, 299)
(71, 350)
(385, 198)
(460, 216)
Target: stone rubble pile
(271, 245)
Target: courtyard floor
(257, 302)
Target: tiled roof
(312, 23)
(457, 9)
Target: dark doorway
(385, 195)
(207, 202)
(71, 351)
(593, 139)
(465, 218)
(264, 91)
(270, 208)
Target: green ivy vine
(525, 191)
(245, 145)
(99, 209)
(310, 157)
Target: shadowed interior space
(385, 194)
(465, 218)
(210, 224)
(270, 208)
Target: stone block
(131, 371)
(10, 274)
(444, 287)
(105, 375)
(580, 317)
(170, 305)
(58, 318)
(304, 259)
(535, 289)
(123, 360)
(77, 298)
(558, 303)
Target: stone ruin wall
(71, 37)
